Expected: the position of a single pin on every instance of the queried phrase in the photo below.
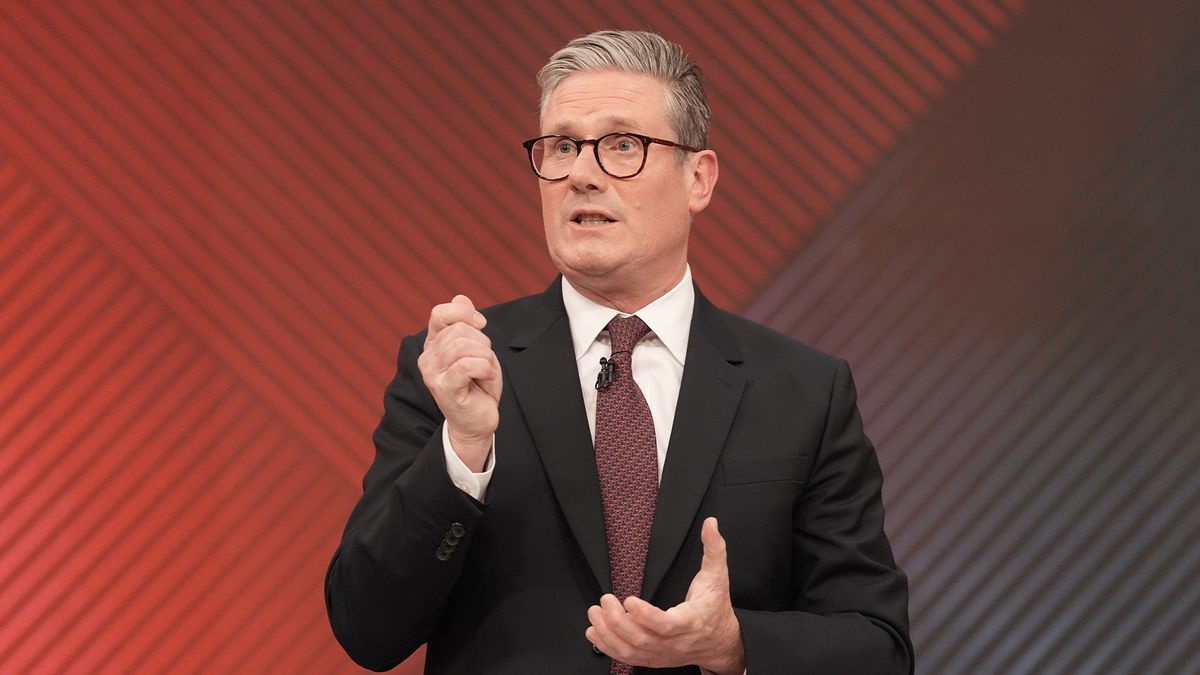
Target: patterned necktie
(627, 465)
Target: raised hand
(463, 374)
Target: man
(557, 490)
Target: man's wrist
(473, 451)
(474, 483)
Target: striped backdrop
(219, 217)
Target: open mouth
(591, 219)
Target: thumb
(714, 561)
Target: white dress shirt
(657, 367)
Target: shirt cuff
(474, 484)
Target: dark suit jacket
(767, 438)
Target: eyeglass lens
(620, 155)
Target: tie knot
(625, 332)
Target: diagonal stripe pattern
(217, 219)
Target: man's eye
(564, 147)
(623, 145)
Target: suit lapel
(708, 398)
(543, 377)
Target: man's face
(621, 237)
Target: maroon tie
(627, 464)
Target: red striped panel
(217, 220)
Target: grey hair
(638, 52)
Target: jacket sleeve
(403, 548)
(851, 608)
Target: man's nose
(586, 173)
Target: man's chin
(591, 269)
(593, 272)
(591, 257)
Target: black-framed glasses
(620, 154)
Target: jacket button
(457, 530)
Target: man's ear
(702, 180)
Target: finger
(714, 561)
(461, 373)
(475, 370)
(458, 330)
(477, 319)
(612, 611)
(458, 310)
(492, 385)
(463, 300)
(460, 347)
(593, 636)
(448, 325)
(440, 357)
(624, 635)
(651, 618)
(611, 605)
(601, 633)
(594, 613)
(596, 618)
(451, 342)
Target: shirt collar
(669, 317)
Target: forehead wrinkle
(611, 122)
